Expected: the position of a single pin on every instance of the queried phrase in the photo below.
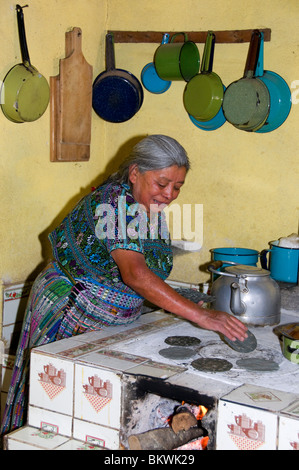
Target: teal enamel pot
(280, 94)
(283, 262)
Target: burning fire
(202, 411)
(198, 411)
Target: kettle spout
(236, 304)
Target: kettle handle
(215, 265)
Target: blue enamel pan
(280, 94)
(117, 94)
(150, 79)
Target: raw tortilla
(182, 341)
(211, 365)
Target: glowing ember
(197, 444)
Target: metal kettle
(247, 292)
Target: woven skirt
(58, 308)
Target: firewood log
(163, 438)
(183, 420)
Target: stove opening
(157, 418)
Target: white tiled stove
(77, 389)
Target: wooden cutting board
(71, 104)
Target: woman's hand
(222, 322)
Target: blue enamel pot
(280, 94)
(227, 255)
(237, 255)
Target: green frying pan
(203, 94)
(25, 92)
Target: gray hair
(153, 153)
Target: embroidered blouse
(109, 218)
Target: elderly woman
(107, 252)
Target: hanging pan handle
(110, 57)
(252, 55)
(259, 71)
(208, 53)
(22, 35)
(213, 40)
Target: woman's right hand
(222, 322)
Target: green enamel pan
(203, 94)
(246, 102)
(25, 92)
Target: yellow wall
(247, 183)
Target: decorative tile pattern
(77, 387)
(288, 438)
(97, 435)
(51, 383)
(261, 397)
(97, 396)
(245, 428)
(27, 438)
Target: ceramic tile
(292, 409)
(10, 335)
(15, 298)
(245, 428)
(205, 385)
(94, 434)
(154, 369)
(152, 317)
(35, 439)
(95, 336)
(6, 374)
(56, 347)
(51, 383)
(261, 397)
(288, 437)
(50, 421)
(73, 444)
(112, 359)
(97, 395)
(106, 332)
(67, 348)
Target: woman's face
(156, 189)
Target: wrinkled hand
(223, 323)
